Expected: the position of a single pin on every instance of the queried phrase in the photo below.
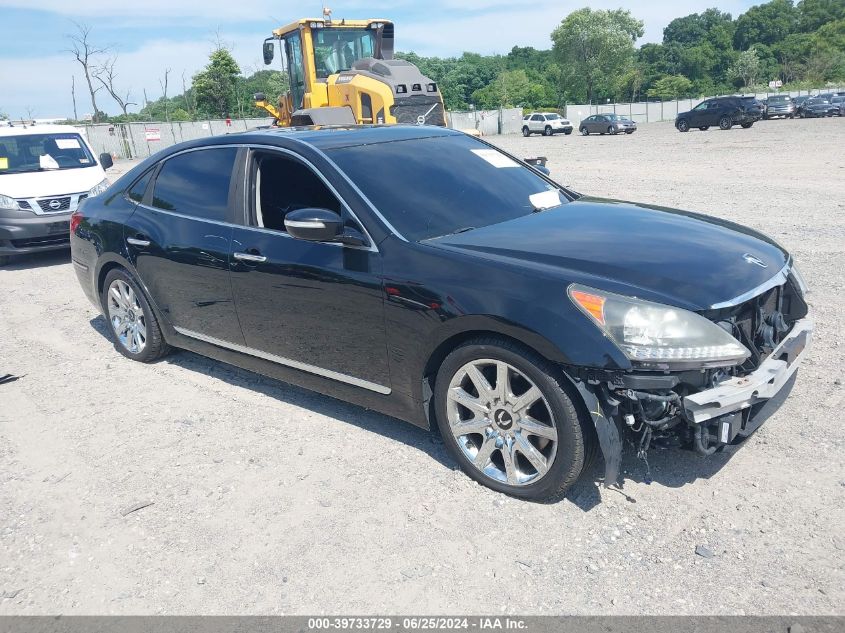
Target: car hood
(56, 182)
(676, 257)
(818, 106)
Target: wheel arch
(467, 328)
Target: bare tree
(189, 107)
(73, 96)
(86, 53)
(106, 75)
(163, 84)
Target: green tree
(814, 14)
(593, 48)
(511, 88)
(766, 24)
(214, 86)
(670, 87)
(747, 67)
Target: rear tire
(534, 451)
(725, 123)
(548, 131)
(568, 132)
(133, 325)
(526, 132)
(745, 126)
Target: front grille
(23, 204)
(47, 240)
(408, 109)
(54, 205)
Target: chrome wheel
(127, 317)
(502, 422)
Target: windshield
(435, 186)
(612, 117)
(817, 102)
(778, 99)
(552, 117)
(336, 49)
(43, 152)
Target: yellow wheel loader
(343, 72)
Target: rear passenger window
(137, 191)
(196, 183)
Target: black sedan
(817, 108)
(607, 123)
(428, 275)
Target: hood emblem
(754, 260)
(55, 204)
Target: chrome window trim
(311, 369)
(371, 246)
(779, 279)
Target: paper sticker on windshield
(84, 161)
(4, 162)
(495, 158)
(545, 200)
(67, 143)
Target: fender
(604, 418)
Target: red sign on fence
(152, 134)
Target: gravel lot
(270, 499)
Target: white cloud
(44, 83)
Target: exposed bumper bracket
(735, 394)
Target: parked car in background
(817, 107)
(779, 106)
(722, 111)
(45, 172)
(607, 123)
(753, 106)
(839, 102)
(545, 123)
(453, 286)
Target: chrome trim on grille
(779, 279)
(311, 369)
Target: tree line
(593, 58)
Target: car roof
(328, 137)
(23, 130)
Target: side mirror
(269, 52)
(106, 161)
(314, 225)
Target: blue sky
(148, 37)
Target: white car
(545, 123)
(45, 172)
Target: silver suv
(545, 123)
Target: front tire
(508, 421)
(725, 123)
(585, 131)
(611, 130)
(133, 325)
(568, 132)
(704, 128)
(526, 132)
(745, 126)
(683, 125)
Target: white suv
(45, 172)
(545, 123)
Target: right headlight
(7, 202)
(656, 334)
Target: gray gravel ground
(269, 499)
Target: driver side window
(282, 185)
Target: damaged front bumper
(738, 393)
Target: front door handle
(249, 257)
(137, 241)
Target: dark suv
(722, 111)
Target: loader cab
(316, 49)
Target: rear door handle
(249, 257)
(137, 241)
